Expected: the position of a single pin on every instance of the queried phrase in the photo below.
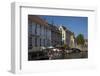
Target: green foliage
(65, 46)
(80, 39)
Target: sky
(73, 23)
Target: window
(44, 42)
(35, 41)
(36, 29)
(40, 29)
(33, 28)
(40, 41)
(62, 35)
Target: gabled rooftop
(37, 19)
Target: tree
(80, 39)
(65, 46)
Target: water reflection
(76, 55)
(57, 55)
(70, 56)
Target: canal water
(76, 55)
(56, 56)
(72, 56)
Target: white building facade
(39, 34)
(68, 37)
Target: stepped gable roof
(67, 30)
(54, 28)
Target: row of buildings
(43, 34)
(39, 33)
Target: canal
(77, 55)
(56, 56)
